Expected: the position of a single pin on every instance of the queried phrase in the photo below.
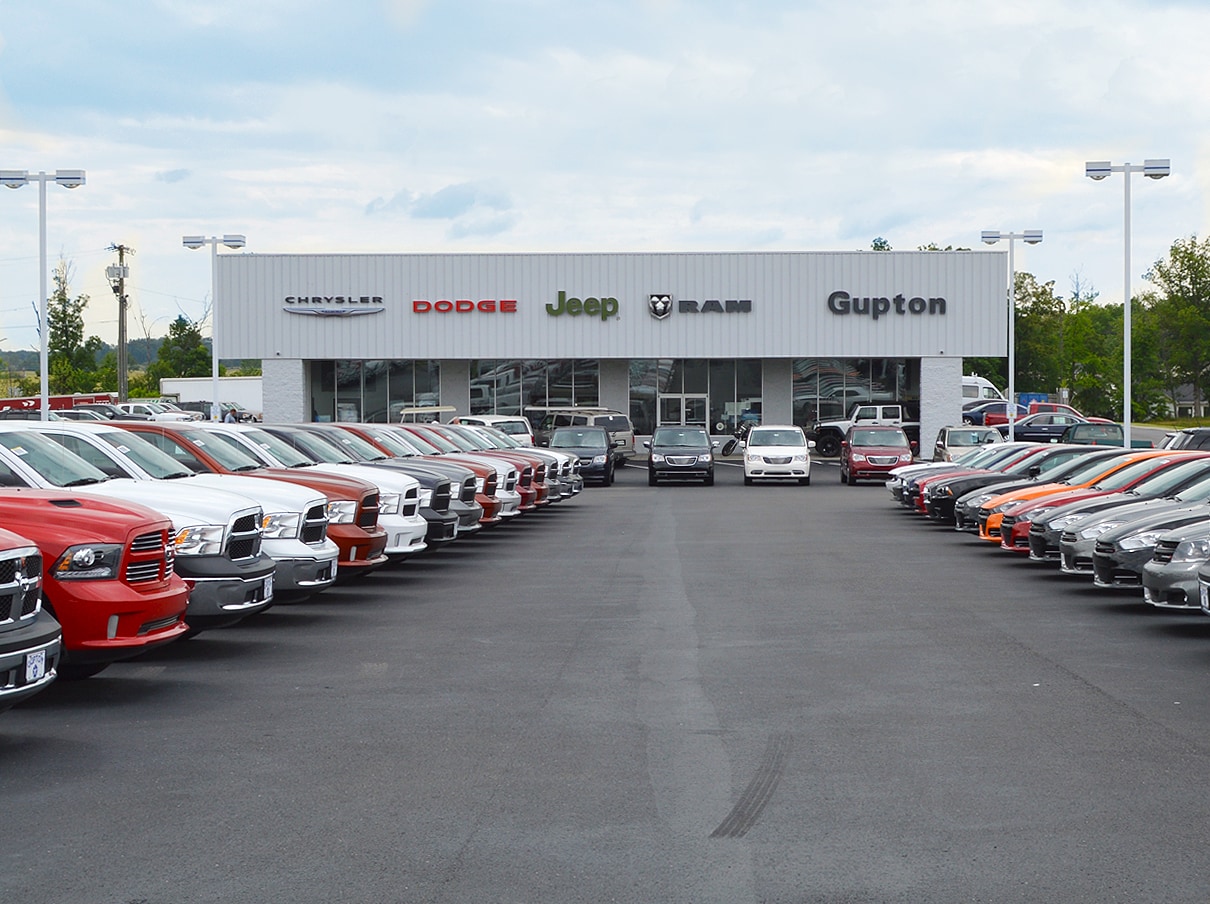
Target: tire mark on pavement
(751, 803)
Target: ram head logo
(660, 306)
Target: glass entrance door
(684, 410)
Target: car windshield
(319, 448)
(769, 437)
(680, 437)
(423, 443)
(397, 445)
(971, 437)
(890, 438)
(281, 450)
(1082, 469)
(356, 447)
(60, 467)
(148, 456)
(1197, 492)
(1164, 482)
(513, 428)
(612, 421)
(577, 438)
(226, 451)
(1127, 475)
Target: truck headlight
(342, 511)
(1192, 551)
(1145, 540)
(426, 498)
(281, 525)
(89, 562)
(1091, 533)
(1066, 521)
(657, 458)
(600, 459)
(388, 503)
(199, 540)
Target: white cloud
(530, 126)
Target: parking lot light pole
(68, 179)
(1030, 237)
(193, 242)
(1097, 170)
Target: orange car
(991, 513)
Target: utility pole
(117, 280)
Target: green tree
(71, 358)
(181, 354)
(880, 244)
(1181, 314)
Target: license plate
(269, 587)
(35, 666)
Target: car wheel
(844, 478)
(967, 422)
(828, 445)
(709, 481)
(748, 481)
(804, 481)
(651, 478)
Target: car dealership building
(702, 338)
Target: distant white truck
(246, 392)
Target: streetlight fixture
(193, 243)
(1097, 170)
(73, 178)
(1030, 237)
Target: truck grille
(468, 490)
(411, 502)
(1165, 550)
(527, 477)
(315, 524)
(489, 485)
(150, 558)
(244, 542)
(20, 583)
(367, 513)
(440, 500)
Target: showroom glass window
(350, 390)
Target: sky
(395, 126)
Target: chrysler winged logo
(660, 306)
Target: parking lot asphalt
(682, 694)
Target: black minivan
(592, 445)
(680, 453)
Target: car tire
(828, 445)
(967, 422)
(650, 478)
(709, 479)
(748, 481)
(844, 478)
(804, 481)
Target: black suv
(680, 453)
(593, 446)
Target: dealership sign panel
(700, 305)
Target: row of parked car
(129, 534)
(1126, 519)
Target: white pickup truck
(828, 434)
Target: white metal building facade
(802, 334)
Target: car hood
(271, 495)
(184, 505)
